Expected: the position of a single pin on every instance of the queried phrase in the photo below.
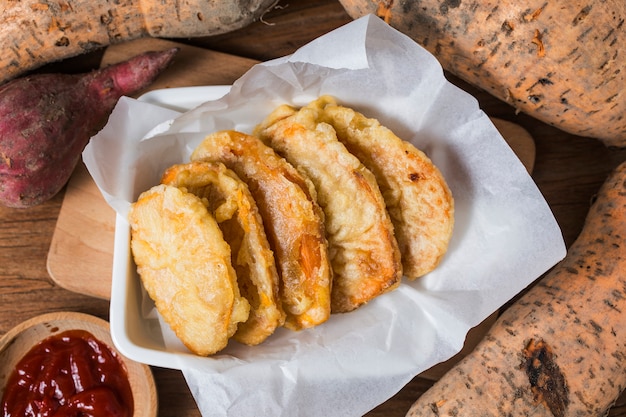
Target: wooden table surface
(568, 171)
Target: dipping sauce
(69, 374)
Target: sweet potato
(561, 62)
(34, 32)
(560, 350)
(46, 121)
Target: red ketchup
(69, 374)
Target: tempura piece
(184, 264)
(363, 250)
(292, 218)
(416, 194)
(232, 205)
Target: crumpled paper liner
(505, 234)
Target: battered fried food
(363, 250)
(185, 266)
(229, 200)
(320, 211)
(416, 194)
(293, 222)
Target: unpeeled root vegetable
(34, 32)
(561, 62)
(560, 350)
(46, 121)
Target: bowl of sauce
(65, 364)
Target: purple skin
(46, 120)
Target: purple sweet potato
(46, 120)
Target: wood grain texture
(568, 170)
(81, 252)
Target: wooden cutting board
(80, 258)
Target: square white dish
(140, 335)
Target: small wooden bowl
(19, 340)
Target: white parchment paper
(505, 234)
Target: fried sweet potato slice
(292, 218)
(417, 196)
(184, 264)
(363, 250)
(229, 200)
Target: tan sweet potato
(46, 121)
(560, 350)
(34, 32)
(561, 62)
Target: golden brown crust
(292, 218)
(229, 200)
(363, 250)
(416, 194)
(184, 264)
